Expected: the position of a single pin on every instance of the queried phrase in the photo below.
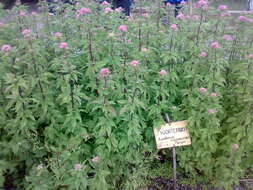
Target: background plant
(81, 91)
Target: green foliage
(57, 110)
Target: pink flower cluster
(63, 45)
(26, 32)
(108, 10)
(181, 16)
(173, 27)
(78, 167)
(222, 7)
(105, 3)
(250, 56)
(82, 11)
(104, 72)
(96, 159)
(202, 90)
(203, 54)
(57, 34)
(214, 45)
(163, 72)
(6, 48)
(134, 63)
(243, 19)
(227, 37)
(211, 111)
(203, 4)
(122, 28)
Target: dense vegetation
(82, 89)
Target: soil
(165, 184)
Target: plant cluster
(82, 89)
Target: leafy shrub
(81, 91)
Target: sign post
(171, 135)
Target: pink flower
(6, 48)
(181, 16)
(2, 24)
(163, 72)
(128, 41)
(22, 13)
(26, 32)
(122, 28)
(225, 14)
(144, 49)
(203, 54)
(63, 45)
(182, 3)
(250, 56)
(104, 72)
(227, 37)
(33, 13)
(78, 167)
(243, 19)
(108, 10)
(145, 15)
(134, 63)
(213, 94)
(195, 17)
(58, 35)
(202, 90)
(50, 14)
(82, 11)
(211, 111)
(173, 27)
(168, 4)
(222, 7)
(95, 159)
(119, 10)
(105, 3)
(201, 3)
(214, 45)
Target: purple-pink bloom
(82, 11)
(243, 19)
(201, 3)
(163, 72)
(203, 54)
(168, 4)
(134, 63)
(195, 17)
(202, 90)
(95, 159)
(6, 48)
(104, 72)
(105, 3)
(181, 16)
(122, 28)
(222, 7)
(63, 45)
(119, 10)
(250, 56)
(57, 34)
(173, 27)
(214, 45)
(2, 24)
(26, 32)
(213, 94)
(78, 167)
(108, 10)
(182, 3)
(227, 37)
(211, 111)
(33, 13)
(22, 13)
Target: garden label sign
(172, 135)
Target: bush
(81, 91)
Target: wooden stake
(174, 159)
